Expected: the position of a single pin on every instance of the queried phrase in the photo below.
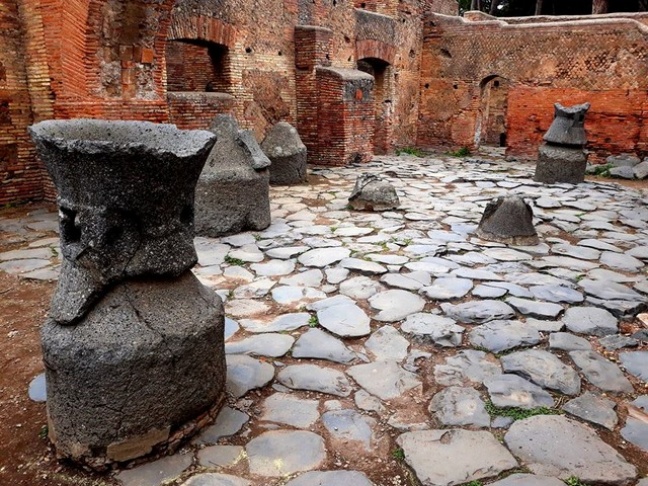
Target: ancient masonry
(355, 78)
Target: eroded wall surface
(600, 59)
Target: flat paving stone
(245, 373)
(591, 321)
(274, 268)
(285, 294)
(286, 252)
(635, 429)
(454, 456)
(360, 288)
(156, 472)
(344, 320)
(443, 331)
(528, 480)
(467, 366)
(387, 344)
(556, 293)
(566, 341)
(229, 422)
(220, 456)
(308, 278)
(610, 290)
(348, 426)
(581, 252)
(601, 372)
(384, 379)
(22, 266)
(636, 363)
(322, 257)
(459, 406)
(363, 266)
(331, 478)
(315, 378)
(544, 369)
(317, 344)
(478, 312)
(447, 288)
(557, 446)
(621, 261)
(618, 341)
(498, 336)
(27, 254)
(542, 310)
(594, 409)
(285, 409)
(405, 282)
(285, 322)
(278, 453)
(515, 391)
(272, 345)
(395, 305)
(216, 479)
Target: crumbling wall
(20, 175)
(599, 59)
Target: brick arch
(203, 28)
(375, 49)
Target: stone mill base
(144, 370)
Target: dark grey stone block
(126, 203)
(232, 194)
(287, 153)
(144, 361)
(508, 220)
(560, 164)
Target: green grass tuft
(410, 151)
(462, 152)
(517, 413)
(313, 321)
(234, 261)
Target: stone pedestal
(233, 192)
(560, 164)
(287, 153)
(143, 362)
(508, 220)
(562, 157)
(133, 352)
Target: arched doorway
(197, 65)
(491, 124)
(383, 102)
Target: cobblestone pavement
(359, 341)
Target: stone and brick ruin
(354, 78)
(134, 347)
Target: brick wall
(601, 59)
(117, 59)
(20, 176)
(192, 111)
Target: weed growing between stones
(313, 321)
(398, 454)
(574, 481)
(234, 261)
(517, 413)
(410, 151)
(462, 152)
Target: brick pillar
(312, 48)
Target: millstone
(508, 220)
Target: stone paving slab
(387, 323)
